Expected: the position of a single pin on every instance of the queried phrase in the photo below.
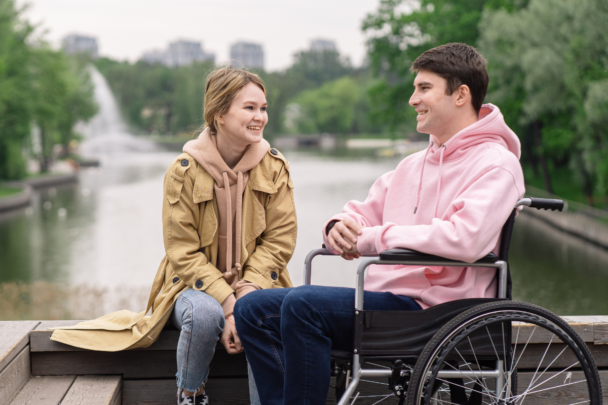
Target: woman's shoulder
(182, 166)
(275, 159)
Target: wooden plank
(131, 364)
(562, 396)
(40, 339)
(160, 392)
(534, 353)
(14, 376)
(526, 332)
(44, 390)
(95, 390)
(600, 331)
(13, 338)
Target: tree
(15, 90)
(548, 63)
(63, 96)
(330, 108)
(400, 30)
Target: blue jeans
(288, 335)
(200, 319)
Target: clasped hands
(342, 238)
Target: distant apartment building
(80, 44)
(179, 53)
(321, 45)
(249, 54)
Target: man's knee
(299, 300)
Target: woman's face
(244, 122)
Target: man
(450, 200)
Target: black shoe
(200, 399)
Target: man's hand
(343, 238)
(230, 339)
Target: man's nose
(414, 100)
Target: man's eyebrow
(423, 84)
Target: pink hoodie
(450, 201)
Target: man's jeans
(288, 335)
(200, 319)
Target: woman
(229, 227)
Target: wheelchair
(464, 352)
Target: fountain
(106, 132)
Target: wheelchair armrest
(412, 255)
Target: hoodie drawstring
(439, 180)
(421, 176)
(239, 213)
(442, 149)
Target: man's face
(435, 109)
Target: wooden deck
(35, 370)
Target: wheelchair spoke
(373, 382)
(466, 388)
(546, 389)
(468, 364)
(549, 379)
(533, 379)
(524, 349)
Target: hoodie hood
(490, 127)
(204, 151)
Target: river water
(85, 249)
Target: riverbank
(23, 197)
(580, 220)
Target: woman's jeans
(200, 319)
(288, 335)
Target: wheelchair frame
(420, 259)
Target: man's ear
(463, 94)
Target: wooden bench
(38, 371)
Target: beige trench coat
(190, 232)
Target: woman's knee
(205, 311)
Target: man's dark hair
(458, 64)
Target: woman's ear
(220, 119)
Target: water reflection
(107, 246)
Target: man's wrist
(331, 225)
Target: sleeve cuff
(366, 242)
(228, 305)
(256, 278)
(219, 290)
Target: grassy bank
(565, 185)
(8, 191)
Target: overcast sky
(126, 28)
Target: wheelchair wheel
(469, 362)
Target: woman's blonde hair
(222, 87)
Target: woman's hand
(343, 238)
(230, 339)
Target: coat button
(175, 280)
(198, 284)
(185, 162)
(274, 151)
(274, 275)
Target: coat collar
(259, 180)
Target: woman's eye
(263, 109)
(249, 108)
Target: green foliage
(158, 99)
(39, 88)
(15, 90)
(549, 73)
(400, 30)
(329, 108)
